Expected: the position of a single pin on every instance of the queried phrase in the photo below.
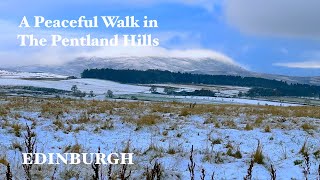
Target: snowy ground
(212, 100)
(100, 87)
(225, 91)
(166, 134)
(86, 85)
(28, 75)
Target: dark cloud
(285, 18)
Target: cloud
(197, 54)
(301, 65)
(32, 5)
(58, 55)
(279, 18)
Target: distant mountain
(191, 65)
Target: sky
(267, 36)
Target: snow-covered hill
(192, 65)
(210, 66)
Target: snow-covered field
(22, 75)
(87, 85)
(225, 91)
(100, 87)
(215, 100)
(165, 132)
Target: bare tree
(74, 88)
(91, 94)
(110, 94)
(153, 89)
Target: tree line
(259, 86)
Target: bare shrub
(123, 173)
(96, 168)
(203, 174)
(8, 172)
(212, 176)
(307, 163)
(8, 169)
(110, 177)
(155, 173)
(319, 172)
(249, 171)
(30, 147)
(191, 165)
(273, 173)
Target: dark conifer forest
(259, 86)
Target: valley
(225, 134)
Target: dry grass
(185, 112)
(154, 148)
(237, 154)
(3, 161)
(16, 145)
(248, 127)
(76, 148)
(16, 129)
(258, 156)
(211, 120)
(149, 120)
(229, 123)
(54, 107)
(3, 111)
(108, 125)
(267, 129)
(59, 124)
(144, 114)
(83, 119)
(161, 108)
(307, 127)
(259, 120)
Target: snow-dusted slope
(193, 65)
(87, 85)
(27, 75)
